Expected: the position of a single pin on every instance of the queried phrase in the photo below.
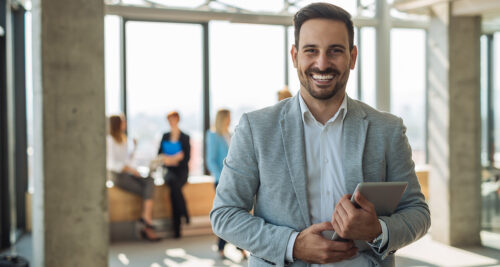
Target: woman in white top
(126, 176)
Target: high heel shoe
(146, 224)
(145, 235)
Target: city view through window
(164, 73)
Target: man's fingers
(342, 214)
(340, 255)
(341, 245)
(347, 204)
(338, 227)
(320, 227)
(363, 202)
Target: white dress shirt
(117, 155)
(325, 177)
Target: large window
(246, 70)
(490, 137)
(367, 65)
(408, 85)
(164, 73)
(490, 95)
(496, 97)
(112, 64)
(247, 66)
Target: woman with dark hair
(125, 176)
(175, 150)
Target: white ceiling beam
(192, 15)
(415, 5)
(490, 27)
(410, 24)
(475, 7)
(200, 16)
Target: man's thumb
(320, 227)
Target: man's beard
(339, 85)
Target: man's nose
(322, 61)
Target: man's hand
(356, 224)
(310, 246)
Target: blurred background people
(218, 141)
(125, 176)
(284, 93)
(175, 149)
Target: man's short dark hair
(323, 11)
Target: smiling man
(298, 162)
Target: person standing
(175, 150)
(218, 142)
(125, 176)
(298, 162)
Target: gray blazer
(266, 170)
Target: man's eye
(337, 51)
(309, 51)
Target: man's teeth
(322, 77)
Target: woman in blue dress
(175, 149)
(216, 151)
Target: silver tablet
(385, 196)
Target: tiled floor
(200, 252)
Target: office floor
(200, 252)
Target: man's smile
(322, 79)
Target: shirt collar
(306, 112)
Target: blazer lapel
(292, 131)
(354, 136)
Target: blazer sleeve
(162, 139)
(233, 201)
(186, 148)
(211, 155)
(411, 220)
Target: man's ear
(293, 53)
(354, 56)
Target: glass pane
(366, 8)
(164, 73)
(352, 83)
(245, 72)
(496, 95)
(112, 64)
(294, 85)
(484, 101)
(408, 85)
(367, 57)
(29, 100)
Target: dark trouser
(177, 198)
(140, 186)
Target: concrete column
(70, 225)
(454, 127)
